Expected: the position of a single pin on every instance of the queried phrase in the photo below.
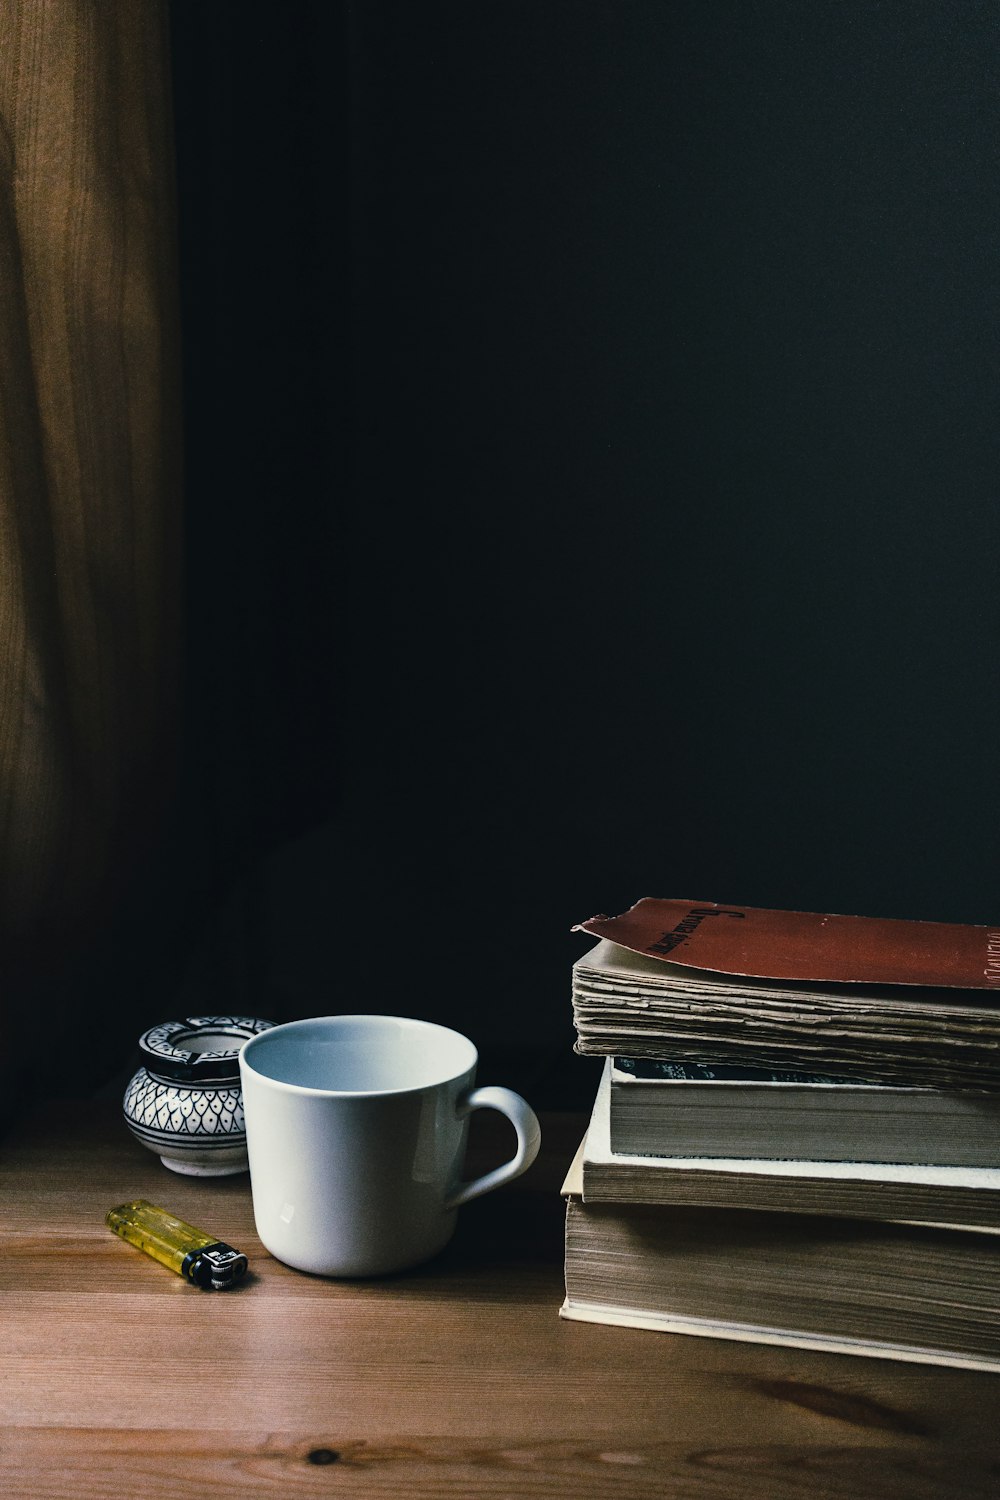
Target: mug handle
(529, 1138)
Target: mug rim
(308, 1089)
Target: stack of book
(796, 1138)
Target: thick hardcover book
(960, 1197)
(888, 1291)
(913, 1004)
(847, 1286)
(665, 1107)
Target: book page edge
(575, 1310)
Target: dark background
(592, 456)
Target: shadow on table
(518, 1229)
(506, 1237)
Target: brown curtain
(89, 463)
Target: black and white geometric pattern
(162, 1041)
(187, 1105)
(167, 1113)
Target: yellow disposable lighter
(200, 1257)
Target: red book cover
(806, 946)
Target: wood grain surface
(458, 1379)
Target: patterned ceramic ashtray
(185, 1102)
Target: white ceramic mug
(356, 1129)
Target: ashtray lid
(199, 1048)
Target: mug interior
(359, 1054)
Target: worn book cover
(806, 946)
(876, 1000)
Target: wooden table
(457, 1380)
